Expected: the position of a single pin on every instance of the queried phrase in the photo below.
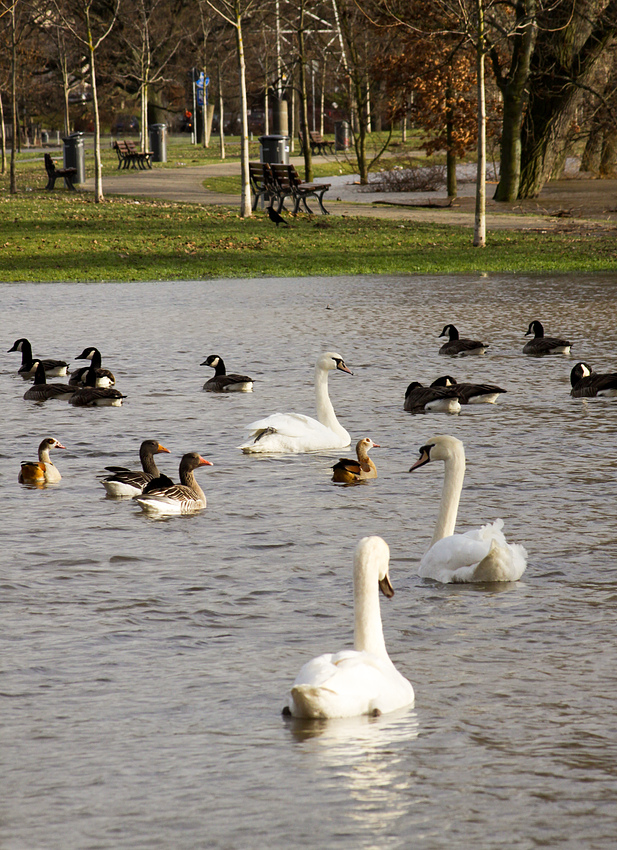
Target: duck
(93, 396)
(471, 393)
(27, 370)
(420, 399)
(294, 432)
(104, 378)
(127, 482)
(482, 554)
(586, 383)
(221, 382)
(350, 471)
(541, 345)
(42, 391)
(42, 471)
(162, 496)
(464, 347)
(362, 680)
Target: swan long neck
(450, 496)
(325, 410)
(368, 630)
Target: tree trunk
(221, 112)
(561, 68)
(98, 166)
(13, 176)
(592, 155)
(479, 235)
(2, 137)
(608, 162)
(513, 88)
(450, 155)
(245, 201)
(304, 125)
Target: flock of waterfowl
(362, 680)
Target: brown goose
(42, 391)
(93, 396)
(464, 347)
(53, 368)
(541, 345)
(127, 482)
(104, 378)
(349, 471)
(221, 382)
(159, 497)
(419, 399)
(586, 383)
(42, 471)
(471, 393)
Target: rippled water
(145, 663)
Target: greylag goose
(362, 680)
(92, 396)
(482, 554)
(541, 344)
(162, 498)
(464, 347)
(104, 378)
(221, 382)
(294, 432)
(349, 471)
(419, 399)
(53, 368)
(127, 482)
(471, 393)
(586, 383)
(42, 471)
(42, 391)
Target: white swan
(294, 432)
(362, 680)
(482, 554)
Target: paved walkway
(563, 204)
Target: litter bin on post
(342, 135)
(274, 149)
(158, 142)
(73, 155)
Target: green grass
(64, 236)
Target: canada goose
(419, 399)
(464, 347)
(471, 393)
(541, 344)
(221, 382)
(586, 383)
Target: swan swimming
(362, 680)
(294, 432)
(482, 554)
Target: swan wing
(348, 684)
(288, 425)
(292, 432)
(482, 554)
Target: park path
(563, 204)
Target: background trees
(117, 64)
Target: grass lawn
(62, 236)
(66, 236)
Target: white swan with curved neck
(294, 432)
(482, 554)
(362, 680)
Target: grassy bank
(67, 237)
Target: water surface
(145, 663)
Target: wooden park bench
(142, 158)
(262, 183)
(130, 157)
(53, 173)
(289, 184)
(319, 144)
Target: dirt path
(572, 204)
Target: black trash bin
(274, 149)
(73, 155)
(342, 135)
(158, 142)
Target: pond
(146, 662)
